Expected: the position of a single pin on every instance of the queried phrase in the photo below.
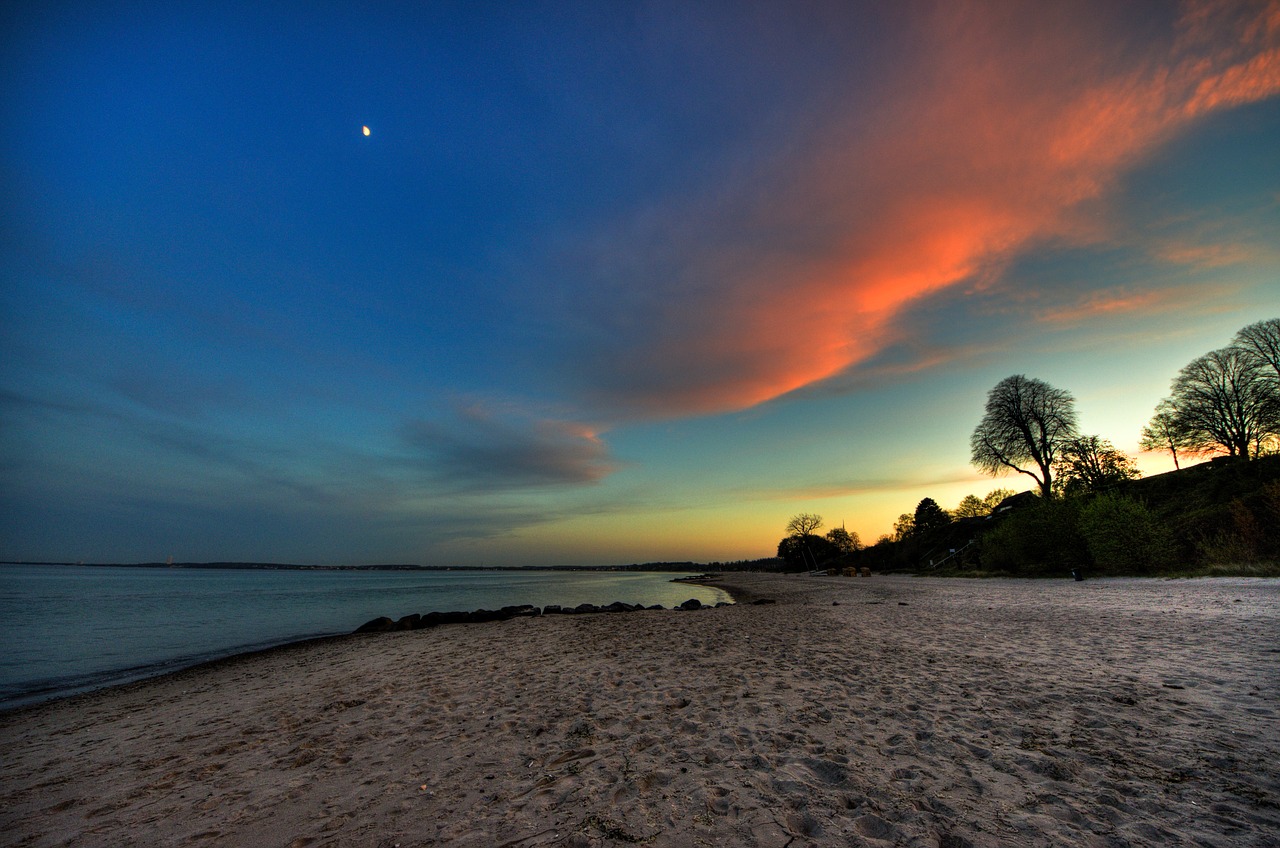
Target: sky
(604, 282)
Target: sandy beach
(883, 711)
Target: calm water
(65, 629)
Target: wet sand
(882, 711)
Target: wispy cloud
(1106, 303)
(996, 134)
(484, 448)
(823, 490)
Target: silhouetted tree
(1164, 433)
(929, 516)
(972, 506)
(903, 527)
(801, 548)
(803, 524)
(1027, 422)
(844, 541)
(1225, 400)
(1092, 464)
(1261, 341)
(805, 552)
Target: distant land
(750, 565)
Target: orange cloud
(1203, 255)
(1001, 131)
(1100, 304)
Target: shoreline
(21, 693)
(890, 710)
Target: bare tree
(803, 524)
(1225, 400)
(1027, 422)
(1261, 341)
(1164, 433)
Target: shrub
(1123, 536)
(1042, 539)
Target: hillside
(1221, 516)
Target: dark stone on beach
(481, 616)
(619, 606)
(691, 604)
(432, 619)
(656, 607)
(552, 609)
(723, 604)
(382, 624)
(582, 609)
(408, 622)
(761, 601)
(522, 611)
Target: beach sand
(883, 711)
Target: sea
(69, 629)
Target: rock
(656, 607)
(522, 611)
(382, 624)
(432, 619)
(619, 606)
(408, 622)
(691, 604)
(552, 609)
(723, 604)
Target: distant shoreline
(279, 566)
(34, 680)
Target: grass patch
(1235, 569)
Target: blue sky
(605, 282)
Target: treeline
(1089, 509)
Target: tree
(972, 506)
(1092, 464)
(1027, 422)
(1225, 400)
(804, 552)
(1164, 433)
(1261, 342)
(801, 548)
(904, 527)
(929, 516)
(803, 524)
(844, 541)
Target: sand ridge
(882, 711)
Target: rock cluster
(416, 621)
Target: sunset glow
(608, 287)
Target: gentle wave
(72, 629)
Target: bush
(1253, 534)
(1124, 537)
(1042, 539)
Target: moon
(364, 130)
